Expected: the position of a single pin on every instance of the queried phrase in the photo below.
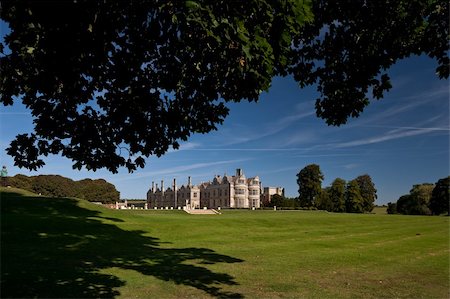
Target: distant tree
(59, 186)
(404, 204)
(392, 208)
(21, 181)
(353, 198)
(368, 191)
(110, 83)
(53, 185)
(421, 195)
(290, 202)
(416, 202)
(440, 197)
(309, 181)
(276, 200)
(337, 195)
(323, 200)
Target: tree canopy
(58, 186)
(337, 195)
(354, 201)
(418, 201)
(309, 181)
(368, 191)
(112, 82)
(440, 197)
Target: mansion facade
(235, 191)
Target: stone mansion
(235, 191)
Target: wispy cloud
(386, 137)
(185, 146)
(410, 128)
(243, 135)
(401, 106)
(351, 166)
(16, 113)
(258, 149)
(177, 170)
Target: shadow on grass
(54, 248)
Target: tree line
(58, 186)
(424, 199)
(355, 196)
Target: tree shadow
(54, 248)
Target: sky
(400, 140)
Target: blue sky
(399, 141)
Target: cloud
(174, 171)
(274, 127)
(184, 146)
(386, 137)
(351, 166)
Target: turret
(153, 187)
(162, 187)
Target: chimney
(156, 187)
(153, 187)
(189, 181)
(162, 187)
(238, 172)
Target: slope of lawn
(62, 248)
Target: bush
(59, 186)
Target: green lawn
(70, 248)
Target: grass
(70, 248)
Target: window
(240, 191)
(195, 194)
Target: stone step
(201, 212)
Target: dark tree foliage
(405, 204)
(392, 208)
(337, 195)
(350, 45)
(112, 82)
(276, 200)
(368, 191)
(309, 181)
(58, 186)
(323, 200)
(440, 197)
(417, 201)
(353, 198)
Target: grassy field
(70, 248)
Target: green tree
(421, 195)
(277, 200)
(404, 204)
(440, 197)
(59, 186)
(309, 181)
(112, 82)
(323, 200)
(392, 208)
(417, 201)
(353, 199)
(337, 195)
(368, 191)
